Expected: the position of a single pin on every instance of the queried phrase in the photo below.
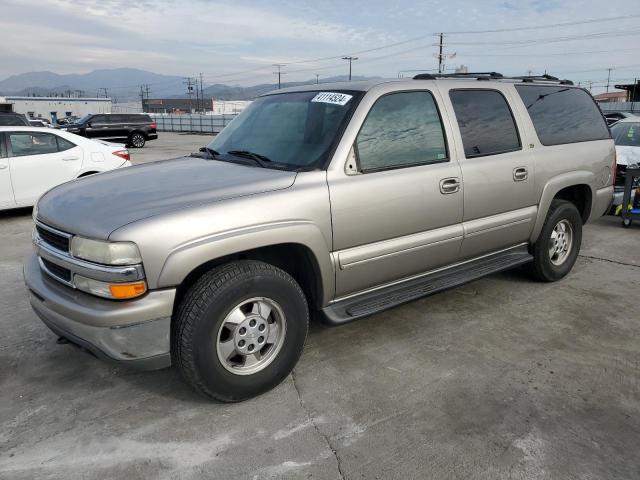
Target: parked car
(38, 122)
(11, 119)
(133, 128)
(342, 199)
(613, 117)
(33, 160)
(626, 135)
(67, 120)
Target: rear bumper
(134, 333)
(602, 202)
(152, 136)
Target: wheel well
(295, 259)
(580, 196)
(137, 131)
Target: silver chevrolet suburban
(338, 200)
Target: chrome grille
(57, 271)
(53, 238)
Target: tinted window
(31, 143)
(12, 121)
(563, 114)
(626, 134)
(401, 129)
(64, 144)
(486, 123)
(100, 119)
(117, 118)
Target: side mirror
(351, 165)
(202, 149)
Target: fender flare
(185, 258)
(551, 189)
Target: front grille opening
(56, 241)
(57, 271)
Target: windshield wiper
(256, 157)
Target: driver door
(396, 205)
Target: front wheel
(556, 250)
(240, 330)
(137, 140)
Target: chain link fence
(193, 123)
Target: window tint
(486, 123)
(563, 114)
(401, 129)
(64, 144)
(12, 121)
(626, 134)
(31, 143)
(117, 118)
(99, 119)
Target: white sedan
(33, 160)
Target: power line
(540, 27)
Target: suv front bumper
(134, 332)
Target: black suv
(135, 128)
(11, 119)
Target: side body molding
(552, 187)
(188, 256)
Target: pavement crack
(312, 421)
(610, 261)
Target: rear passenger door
(396, 202)
(6, 191)
(497, 169)
(39, 161)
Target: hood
(627, 155)
(95, 206)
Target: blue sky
(237, 42)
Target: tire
(202, 337)
(551, 261)
(137, 140)
(626, 223)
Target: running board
(352, 308)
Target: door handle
(2, 167)
(520, 174)
(449, 185)
(70, 159)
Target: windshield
(626, 134)
(84, 119)
(296, 131)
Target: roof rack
(492, 76)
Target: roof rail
(492, 76)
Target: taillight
(154, 125)
(122, 154)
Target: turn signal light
(123, 291)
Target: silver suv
(340, 200)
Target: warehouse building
(53, 108)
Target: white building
(53, 108)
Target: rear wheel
(137, 140)
(240, 330)
(556, 250)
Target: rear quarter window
(563, 114)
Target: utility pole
(279, 72)
(204, 106)
(590, 83)
(317, 78)
(608, 78)
(106, 95)
(440, 55)
(195, 81)
(188, 81)
(351, 60)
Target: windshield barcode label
(333, 98)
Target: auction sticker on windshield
(333, 98)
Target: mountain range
(123, 84)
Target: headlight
(117, 291)
(106, 253)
